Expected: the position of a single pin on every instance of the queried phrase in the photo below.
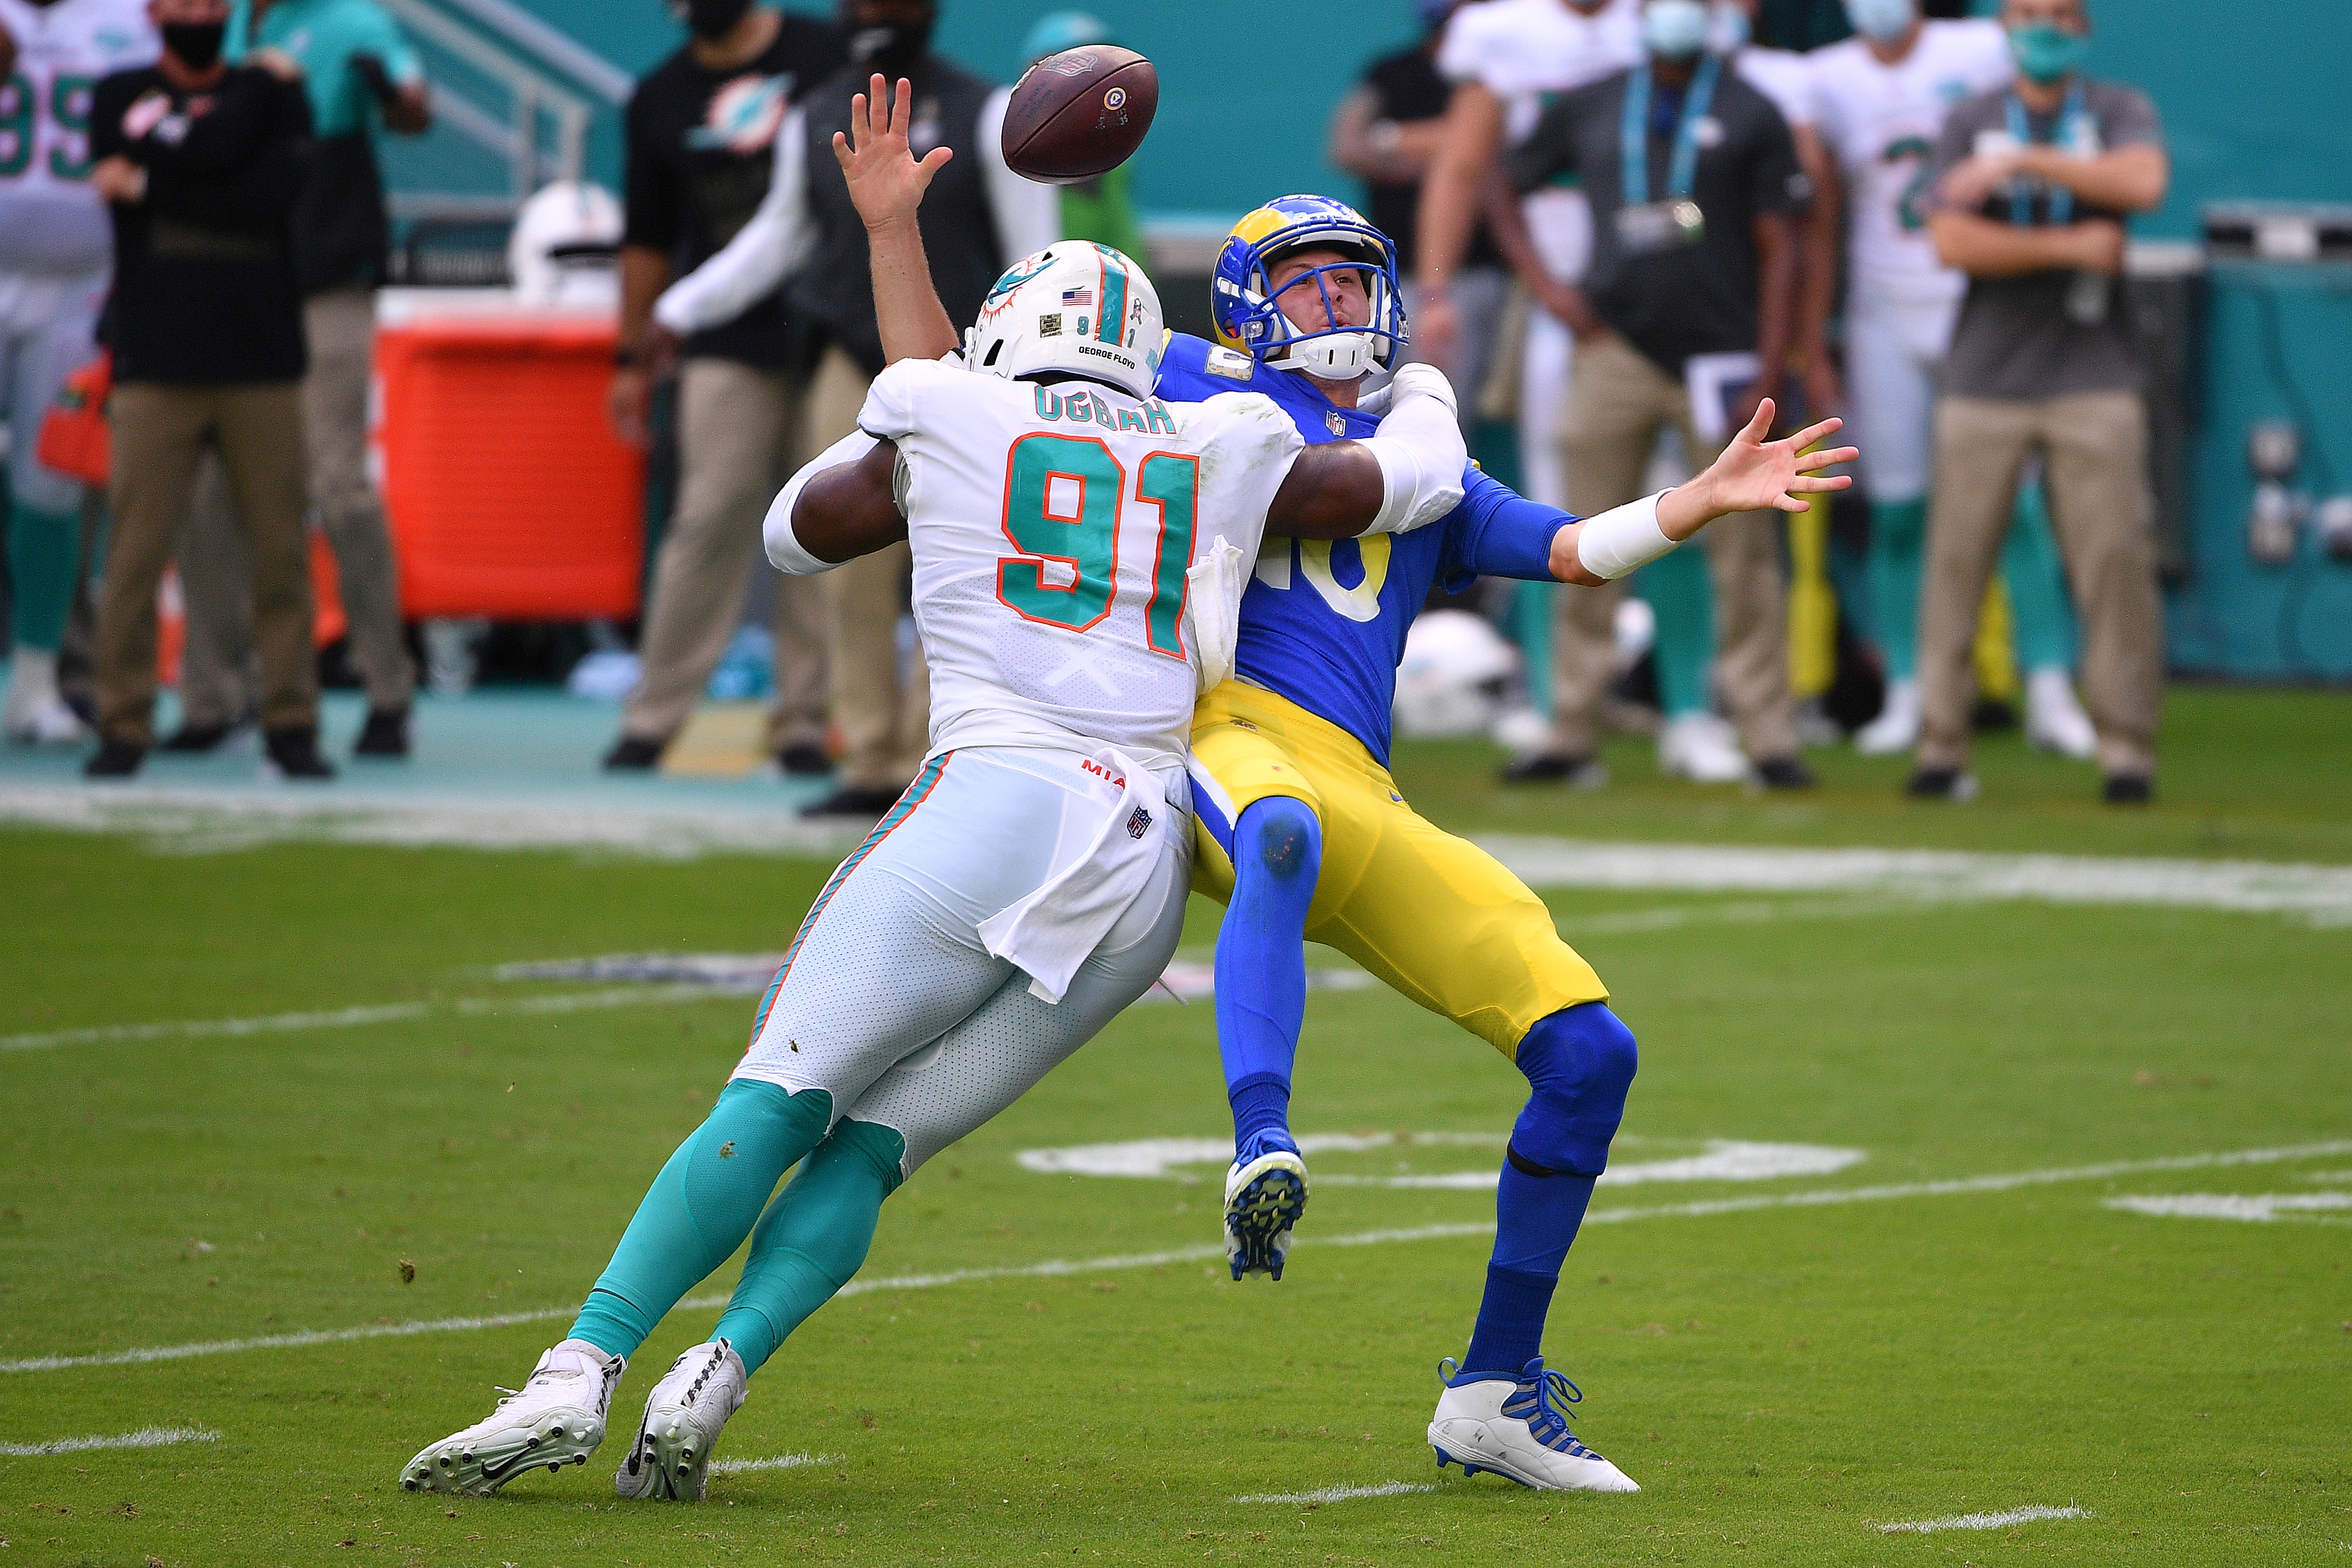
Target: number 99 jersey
(1053, 528)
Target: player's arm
(887, 183)
(844, 504)
(765, 252)
(1405, 476)
(1450, 197)
(1984, 247)
(1817, 300)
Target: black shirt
(1405, 87)
(1684, 299)
(700, 148)
(204, 265)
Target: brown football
(1079, 114)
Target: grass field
(1894, 1334)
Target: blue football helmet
(1242, 293)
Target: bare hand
(2102, 240)
(628, 403)
(1973, 181)
(1756, 474)
(118, 179)
(1436, 328)
(1567, 304)
(660, 354)
(886, 182)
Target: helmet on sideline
(1074, 306)
(1242, 292)
(1061, 30)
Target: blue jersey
(1323, 621)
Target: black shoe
(294, 752)
(385, 733)
(633, 754)
(1555, 767)
(2128, 789)
(804, 759)
(1942, 784)
(853, 800)
(195, 740)
(1784, 773)
(114, 760)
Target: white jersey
(50, 220)
(1528, 52)
(1881, 122)
(1783, 75)
(1053, 528)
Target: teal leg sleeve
(2036, 575)
(44, 550)
(1683, 601)
(812, 1237)
(700, 1208)
(1898, 539)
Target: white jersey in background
(1881, 122)
(51, 222)
(1783, 75)
(1052, 530)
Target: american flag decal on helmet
(1140, 824)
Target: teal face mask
(2046, 53)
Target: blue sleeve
(1498, 532)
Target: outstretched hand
(887, 181)
(1754, 474)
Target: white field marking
(2322, 895)
(1676, 917)
(2261, 1208)
(748, 974)
(1726, 1160)
(1056, 1267)
(145, 1438)
(781, 1462)
(1322, 1495)
(2000, 1520)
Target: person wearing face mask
(202, 164)
(700, 129)
(2033, 182)
(978, 218)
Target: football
(1080, 113)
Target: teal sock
(1898, 539)
(2036, 575)
(701, 1208)
(44, 551)
(1683, 600)
(812, 1237)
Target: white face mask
(1885, 20)
(1673, 29)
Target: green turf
(1781, 1381)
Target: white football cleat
(1701, 748)
(556, 1418)
(1896, 728)
(671, 1456)
(1265, 1195)
(2054, 721)
(1519, 1429)
(35, 715)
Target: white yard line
(2258, 1208)
(1053, 1268)
(1322, 1495)
(353, 1017)
(145, 1438)
(2000, 1520)
(781, 1462)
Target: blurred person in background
(357, 68)
(1388, 131)
(1883, 95)
(977, 218)
(701, 127)
(1696, 197)
(1101, 210)
(202, 165)
(2034, 183)
(54, 256)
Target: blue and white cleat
(1265, 1191)
(1517, 1427)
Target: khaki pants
(159, 434)
(2094, 452)
(885, 724)
(737, 447)
(1617, 402)
(214, 574)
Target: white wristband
(1624, 539)
(785, 551)
(1421, 453)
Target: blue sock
(1277, 851)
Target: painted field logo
(1140, 824)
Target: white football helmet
(1085, 309)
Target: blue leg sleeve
(812, 1237)
(1899, 542)
(701, 1208)
(1579, 1062)
(1262, 962)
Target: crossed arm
(2128, 179)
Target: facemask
(711, 20)
(891, 47)
(195, 45)
(2045, 53)
(1885, 20)
(1673, 29)
(1729, 30)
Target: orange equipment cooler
(508, 493)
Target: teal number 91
(1063, 499)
